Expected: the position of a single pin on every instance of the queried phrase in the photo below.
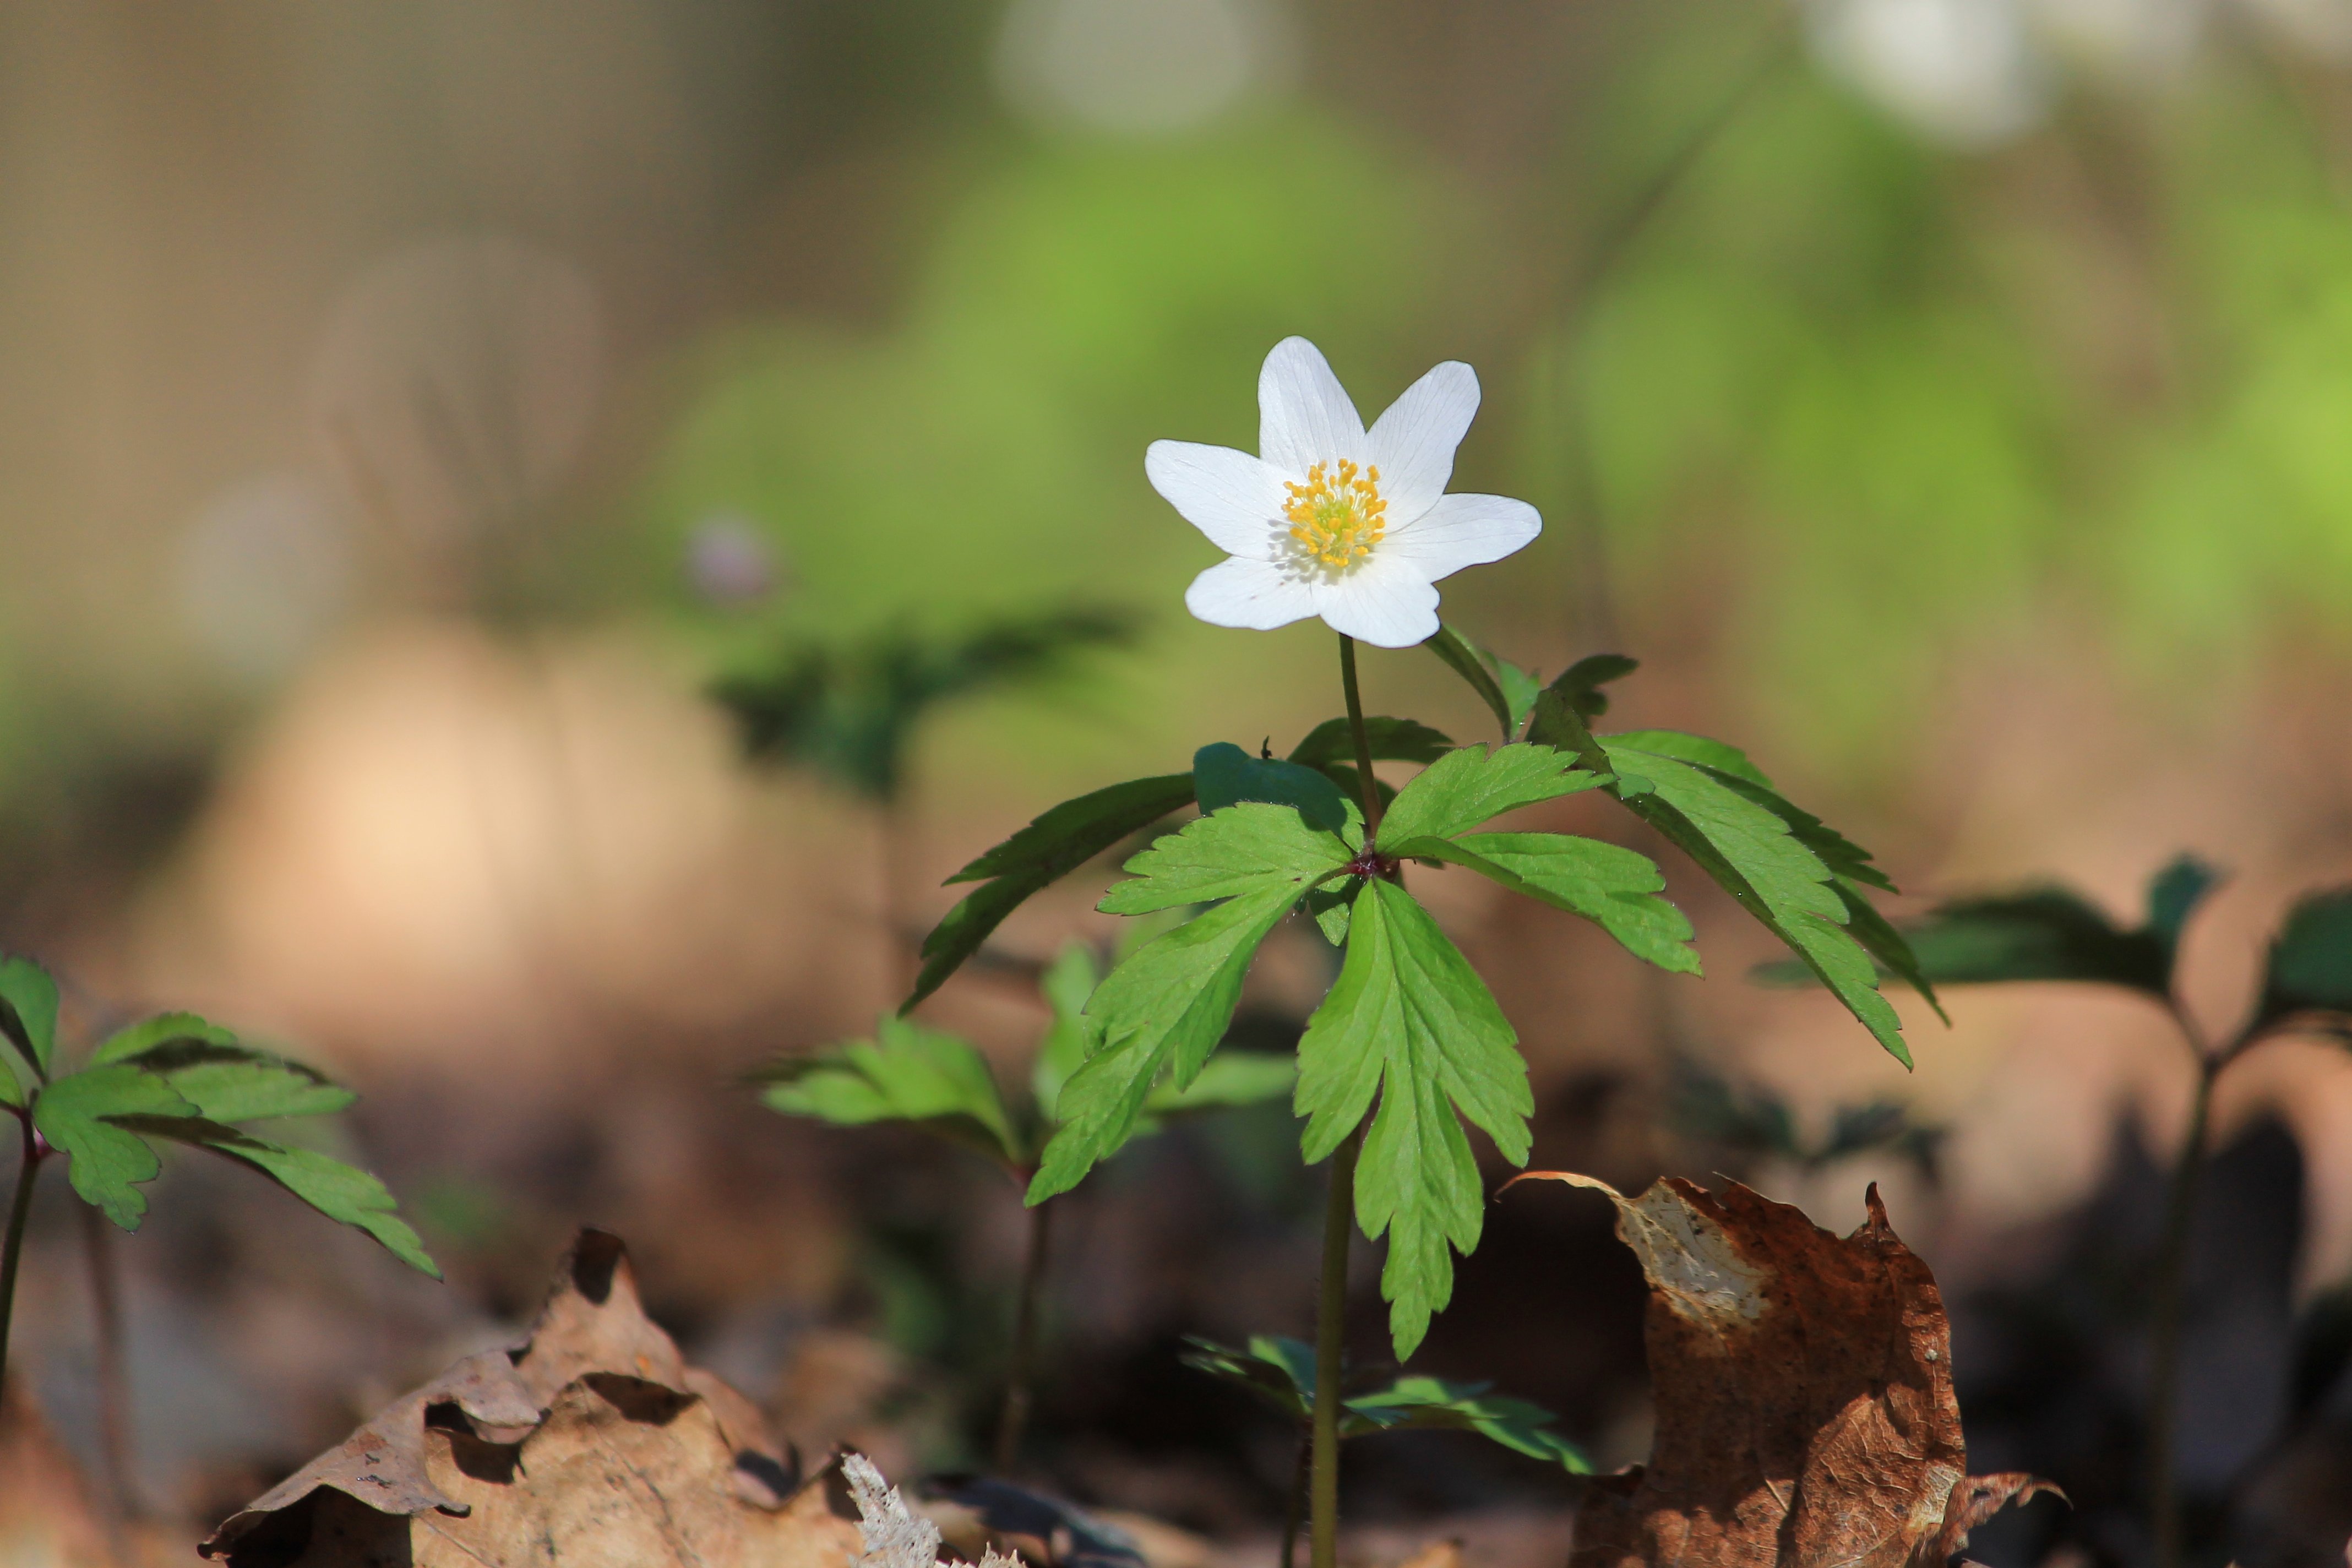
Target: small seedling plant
(941, 1084)
(1356, 527)
(174, 1078)
(2054, 933)
(1281, 1371)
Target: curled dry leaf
(590, 1442)
(1804, 1381)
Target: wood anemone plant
(2052, 933)
(171, 1078)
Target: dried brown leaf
(1803, 1384)
(589, 1442)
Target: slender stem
(2168, 1286)
(894, 822)
(1331, 1345)
(113, 1384)
(1371, 789)
(12, 1250)
(1025, 1315)
(1294, 1510)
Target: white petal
(1412, 444)
(1461, 531)
(1255, 595)
(1229, 496)
(1304, 416)
(1385, 601)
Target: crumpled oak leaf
(1804, 1381)
(588, 1443)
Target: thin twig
(1330, 1346)
(1020, 1366)
(12, 1250)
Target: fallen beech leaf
(588, 1443)
(1803, 1383)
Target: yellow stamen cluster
(1337, 515)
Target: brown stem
(1364, 780)
(12, 1250)
(1019, 1367)
(113, 1384)
(2167, 1289)
(1330, 1344)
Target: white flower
(1334, 520)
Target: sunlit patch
(1335, 517)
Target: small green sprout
(941, 1083)
(174, 1078)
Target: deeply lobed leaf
(343, 1193)
(1410, 1019)
(78, 1115)
(1614, 887)
(1240, 849)
(1049, 848)
(1470, 785)
(1162, 1011)
(1462, 657)
(225, 1079)
(1390, 739)
(907, 1073)
(28, 1019)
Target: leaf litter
(1803, 1383)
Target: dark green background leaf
(1224, 775)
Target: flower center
(1337, 516)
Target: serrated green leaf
(226, 1081)
(1723, 758)
(1432, 1403)
(1162, 1011)
(2173, 896)
(1240, 849)
(1391, 740)
(1840, 854)
(1224, 775)
(340, 1192)
(29, 1011)
(1066, 985)
(1614, 887)
(1462, 657)
(906, 1073)
(1331, 904)
(1468, 786)
(1049, 848)
(1887, 947)
(1519, 689)
(78, 1115)
(1410, 1019)
(1278, 1370)
(2310, 967)
(1751, 852)
(1227, 1079)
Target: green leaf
(907, 1073)
(1162, 1010)
(1463, 657)
(225, 1080)
(1579, 684)
(1429, 1403)
(1716, 755)
(1049, 848)
(29, 1011)
(106, 1162)
(340, 1192)
(1466, 787)
(1224, 775)
(2044, 933)
(1614, 887)
(1840, 854)
(1391, 740)
(1227, 1079)
(2310, 967)
(1240, 849)
(1751, 850)
(1330, 905)
(1282, 1372)
(1887, 947)
(1410, 1019)
(848, 710)
(1519, 689)
(1066, 985)
(2173, 896)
